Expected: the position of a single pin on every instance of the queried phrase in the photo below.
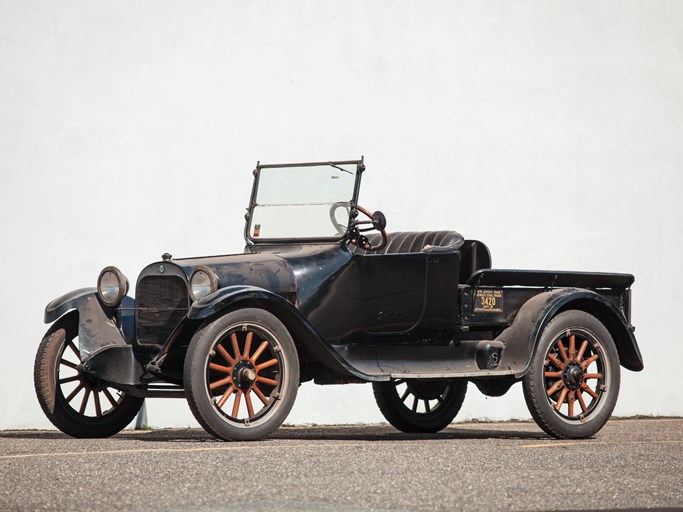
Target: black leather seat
(414, 241)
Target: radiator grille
(161, 303)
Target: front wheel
(241, 375)
(420, 406)
(74, 401)
(573, 381)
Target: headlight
(202, 282)
(112, 286)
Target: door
(394, 288)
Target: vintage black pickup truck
(323, 292)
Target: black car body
(418, 314)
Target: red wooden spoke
(570, 401)
(555, 387)
(572, 346)
(270, 382)
(588, 390)
(427, 408)
(265, 365)
(592, 376)
(556, 362)
(405, 395)
(220, 368)
(236, 405)
(260, 395)
(259, 351)
(69, 379)
(74, 392)
(583, 348)
(84, 402)
(553, 375)
(225, 354)
(69, 364)
(563, 352)
(225, 396)
(589, 361)
(579, 396)
(109, 397)
(560, 401)
(415, 402)
(250, 407)
(72, 346)
(235, 346)
(98, 408)
(220, 383)
(247, 345)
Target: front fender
(104, 349)
(225, 297)
(305, 335)
(65, 303)
(523, 336)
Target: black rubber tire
(51, 395)
(404, 418)
(568, 425)
(204, 402)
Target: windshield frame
(360, 167)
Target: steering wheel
(377, 222)
(341, 228)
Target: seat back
(474, 256)
(414, 241)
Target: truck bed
(550, 279)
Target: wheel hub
(573, 376)
(243, 374)
(427, 390)
(89, 381)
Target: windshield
(302, 201)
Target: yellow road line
(593, 443)
(168, 450)
(251, 446)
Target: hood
(267, 271)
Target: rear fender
(523, 336)
(306, 336)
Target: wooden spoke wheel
(242, 375)
(420, 405)
(74, 401)
(573, 382)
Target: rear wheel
(242, 375)
(74, 401)
(420, 405)
(573, 382)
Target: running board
(471, 358)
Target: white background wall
(550, 130)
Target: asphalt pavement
(630, 464)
